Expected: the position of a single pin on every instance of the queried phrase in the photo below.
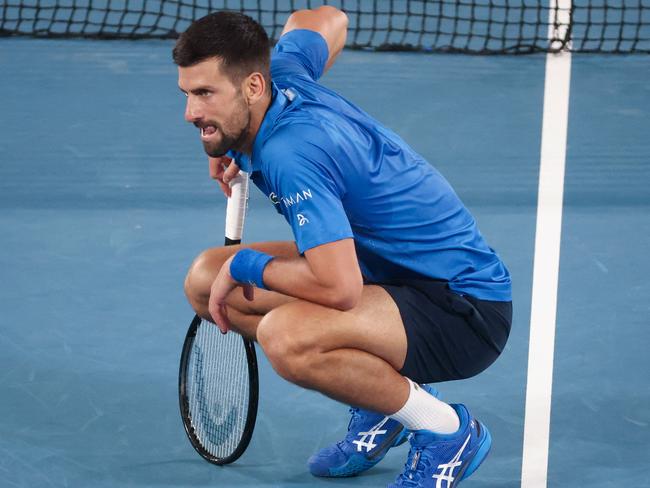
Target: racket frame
(253, 397)
(235, 215)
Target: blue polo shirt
(334, 172)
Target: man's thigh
(374, 326)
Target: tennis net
(469, 26)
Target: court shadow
(194, 472)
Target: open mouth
(208, 131)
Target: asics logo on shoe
(447, 473)
(372, 433)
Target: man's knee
(290, 350)
(202, 272)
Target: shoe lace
(413, 469)
(353, 419)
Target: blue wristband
(248, 267)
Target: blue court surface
(105, 200)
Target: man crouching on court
(388, 286)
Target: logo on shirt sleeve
(302, 220)
(292, 198)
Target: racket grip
(236, 208)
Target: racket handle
(236, 208)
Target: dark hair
(236, 39)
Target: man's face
(216, 106)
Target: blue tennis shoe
(370, 436)
(443, 461)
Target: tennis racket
(218, 383)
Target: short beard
(234, 141)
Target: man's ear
(254, 87)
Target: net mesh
(470, 26)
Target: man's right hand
(223, 169)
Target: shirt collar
(253, 163)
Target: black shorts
(450, 336)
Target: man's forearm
(295, 277)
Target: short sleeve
(306, 191)
(299, 52)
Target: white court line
(546, 261)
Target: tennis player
(388, 285)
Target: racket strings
(218, 393)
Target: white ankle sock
(423, 411)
